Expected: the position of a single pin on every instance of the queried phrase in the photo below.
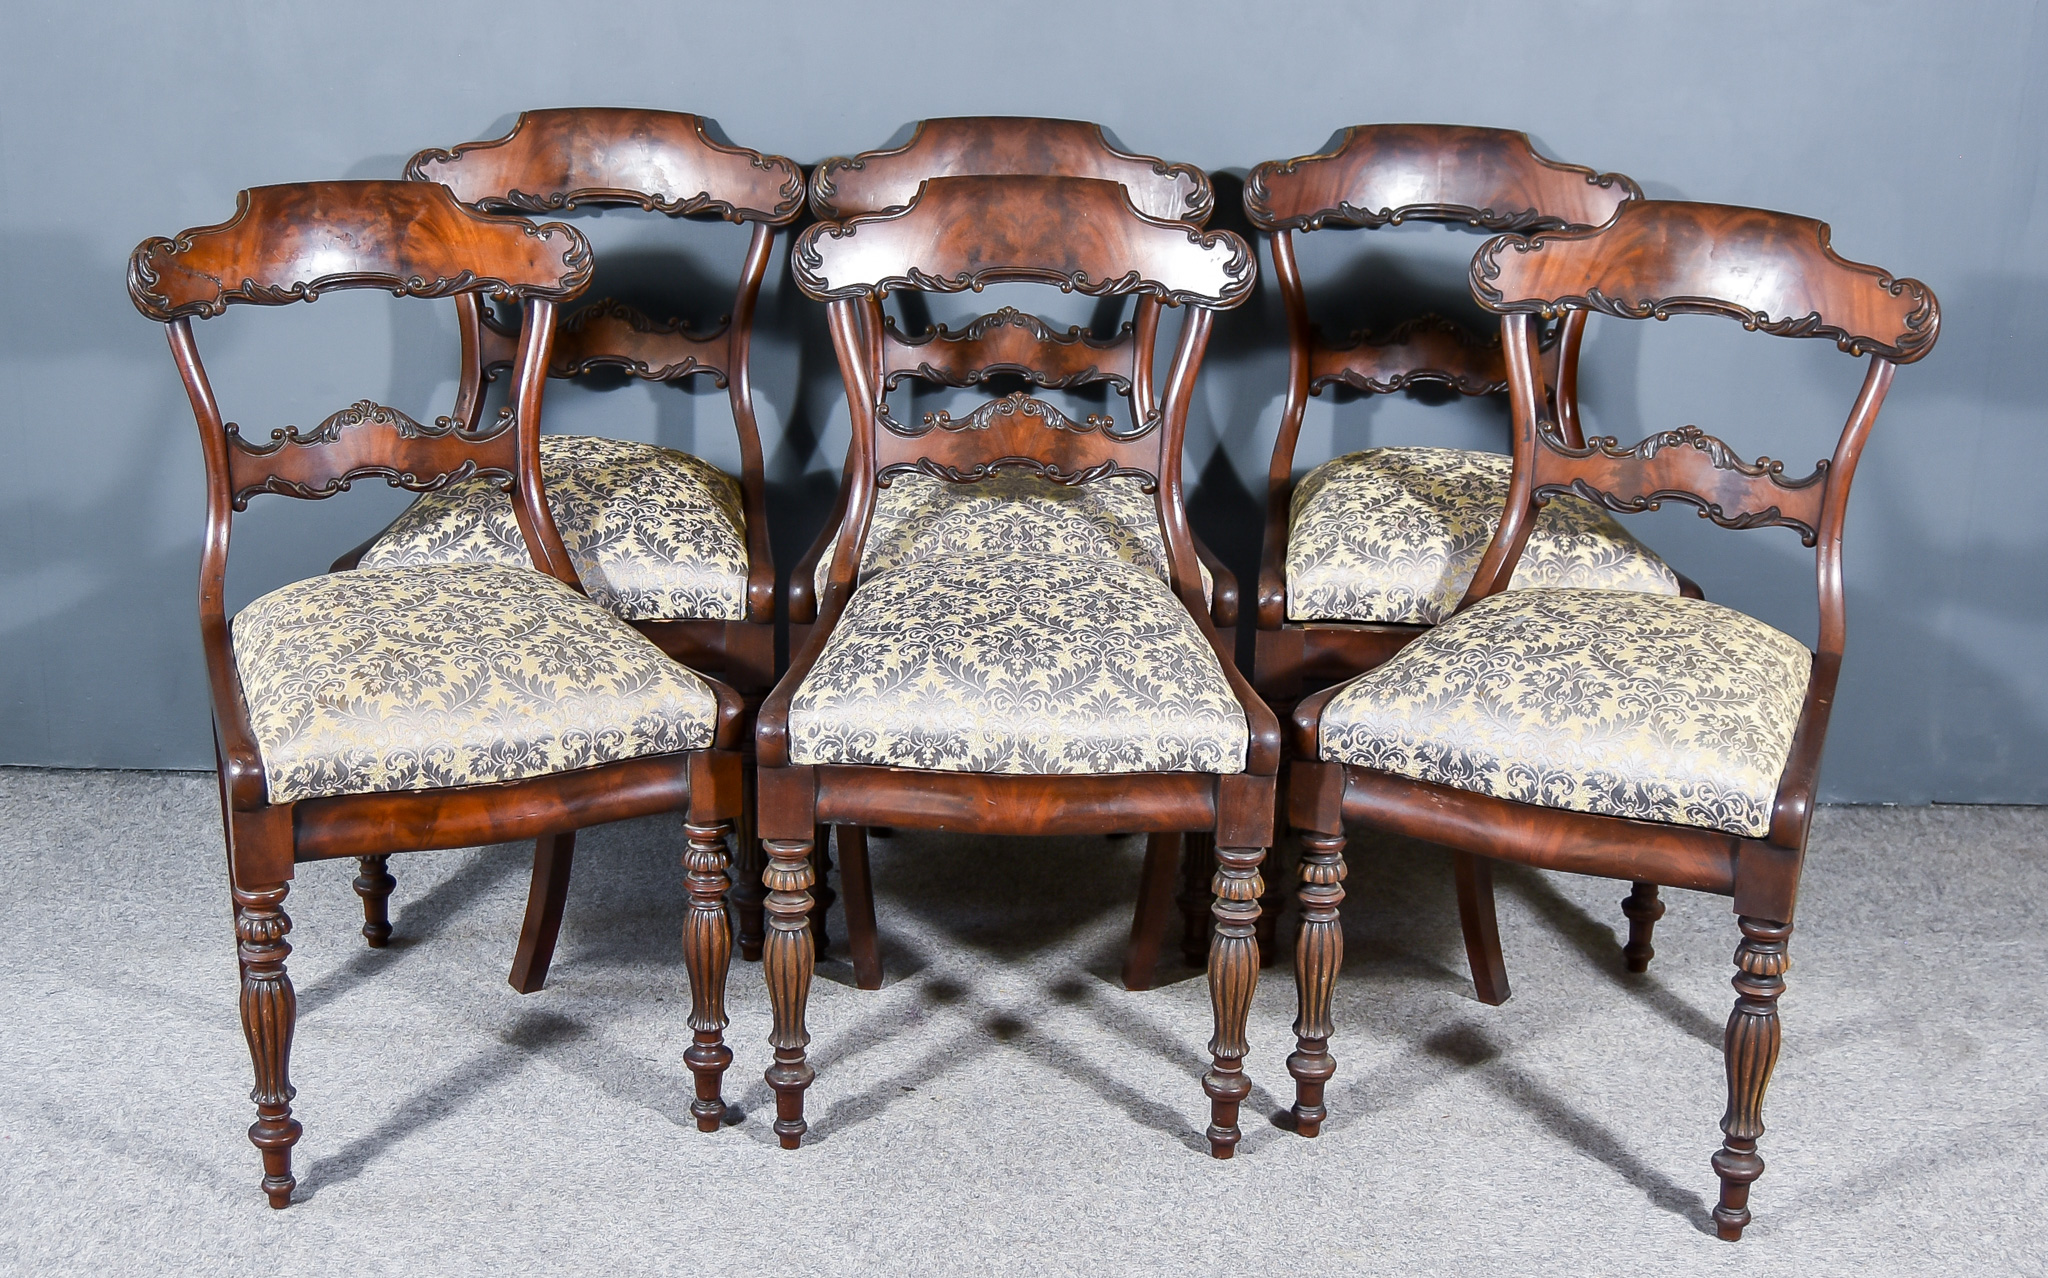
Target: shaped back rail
(665, 162)
(1772, 272)
(1077, 234)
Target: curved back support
(1076, 234)
(1772, 272)
(1014, 146)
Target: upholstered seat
(1018, 663)
(1606, 701)
(917, 517)
(447, 675)
(1395, 534)
(656, 535)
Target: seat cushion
(655, 535)
(447, 675)
(1607, 701)
(1395, 534)
(1018, 663)
(918, 516)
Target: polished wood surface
(1776, 274)
(1006, 146)
(294, 243)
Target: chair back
(1082, 235)
(296, 242)
(1773, 273)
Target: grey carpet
(1003, 1106)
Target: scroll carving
(1429, 348)
(1685, 465)
(613, 334)
(297, 463)
(1044, 469)
(1007, 341)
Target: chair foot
(707, 956)
(1751, 1048)
(553, 857)
(270, 1012)
(787, 961)
(1233, 976)
(1481, 925)
(1642, 908)
(374, 885)
(1155, 907)
(1318, 956)
(1198, 865)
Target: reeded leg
(270, 1009)
(1751, 1046)
(707, 953)
(787, 958)
(1318, 954)
(374, 885)
(1198, 866)
(1155, 907)
(746, 892)
(553, 857)
(1474, 875)
(822, 896)
(1643, 910)
(861, 942)
(1233, 975)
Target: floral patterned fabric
(1395, 534)
(1018, 663)
(1607, 701)
(918, 516)
(655, 535)
(423, 678)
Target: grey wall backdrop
(1916, 130)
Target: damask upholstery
(1395, 535)
(1018, 663)
(655, 535)
(918, 516)
(447, 675)
(1606, 701)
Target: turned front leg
(787, 958)
(374, 885)
(1751, 1047)
(707, 953)
(270, 1010)
(1318, 954)
(1642, 908)
(1233, 975)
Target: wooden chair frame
(1387, 175)
(294, 243)
(1772, 272)
(1082, 235)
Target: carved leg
(707, 953)
(269, 1011)
(1751, 1046)
(553, 856)
(823, 897)
(1643, 910)
(1233, 975)
(1155, 906)
(1482, 928)
(746, 892)
(1318, 954)
(1198, 866)
(861, 941)
(786, 962)
(1270, 907)
(374, 885)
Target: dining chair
(1648, 737)
(665, 539)
(917, 515)
(372, 711)
(1048, 686)
(1366, 551)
